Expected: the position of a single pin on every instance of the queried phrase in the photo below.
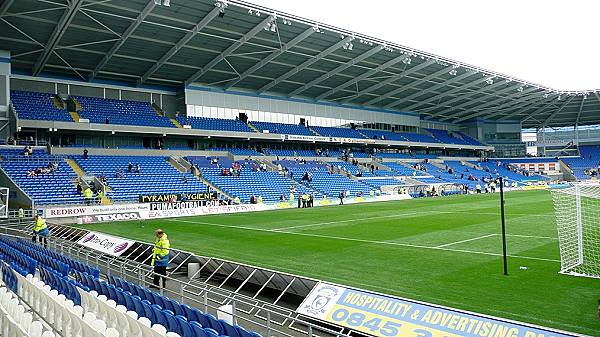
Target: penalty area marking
(467, 240)
(359, 240)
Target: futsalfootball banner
(105, 243)
(385, 316)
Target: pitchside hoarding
(78, 211)
(105, 243)
(386, 316)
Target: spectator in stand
(252, 199)
(79, 188)
(281, 198)
(137, 168)
(129, 167)
(85, 153)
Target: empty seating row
(112, 111)
(60, 312)
(217, 124)
(327, 131)
(37, 106)
(280, 128)
(15, 320)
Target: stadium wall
(5, 129)
(197, 96)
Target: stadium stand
(103, 110)
(383, 135)
(280, 128)
(48, 186)
(444, 136)
(205, 123)
(326, 131)
(589, 159)
(86, 305)
(38, 106)
(131, 185)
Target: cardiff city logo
(321, 299)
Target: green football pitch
(439, 250)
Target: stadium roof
(236, 45)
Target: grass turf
(444, 250)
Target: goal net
(577, 210)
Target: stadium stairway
(80, 172)
(75, 116)
(176, 123)
(253, 127)
(185, 163)
(58, 103)
(315, 132)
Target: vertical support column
(579, 223)
(5, 120)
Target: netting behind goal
(577, 210)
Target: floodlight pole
(503, 226)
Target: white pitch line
(352, 220)
(358, 240)
(467, 240)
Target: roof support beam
(579, 112)
(128, 32)
(182, 42)
(430, 89)
(308, 32)
(57, 34)
(306, 64)
(490, 103)
(363, 76)
(545, 122)
(340, 68)
(447, 93)
(495, 109)
(470, 102)
(520, 111)
(230, 49)
(4, 7)
(390, 80)
(404, 88)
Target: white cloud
(551, 42)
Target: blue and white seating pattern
(589, 158)
(15, 320)
(37, 106)
(446, 137)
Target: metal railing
(251, 313)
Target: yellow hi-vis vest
(160, 253)
(88, 193)
(40, 224)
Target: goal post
(577, 210)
